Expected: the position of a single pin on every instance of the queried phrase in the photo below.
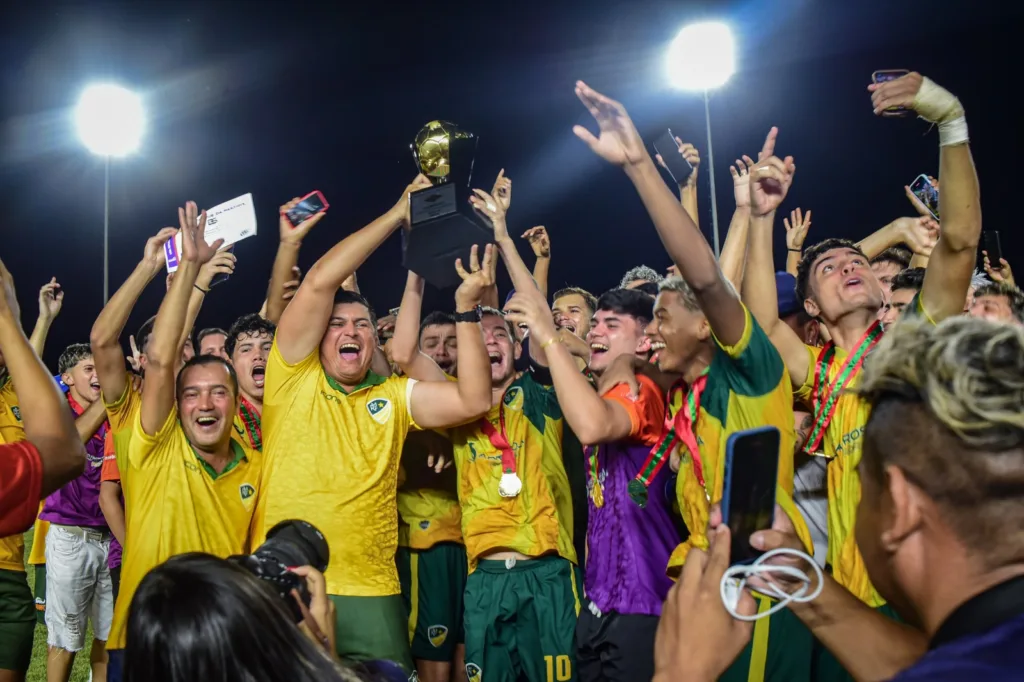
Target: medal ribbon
(253, 425)
(825, 402)
(678, 428)
(500, 440)
(592, 456)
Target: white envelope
(231, 221)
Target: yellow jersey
(332, 460)
(428, 504)
(841, 445)
(176, 503)
(747, 387)
(539, 520)
(12, 547)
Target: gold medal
(597, 494)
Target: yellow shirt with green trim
(12, 547)
(332, 460)
(842, 445)
(747, 387)
(428, 502)
(539, 520)
(176, 503)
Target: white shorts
(78, 586)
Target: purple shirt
(78, 502)
(628, 546)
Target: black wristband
(474, 315)
(205, 291)
(795, 250)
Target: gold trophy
(443, 225)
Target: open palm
(618, 141)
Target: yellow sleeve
(121, 411)
(146, 450)
(283, 378)
(803, 392)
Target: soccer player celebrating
(630, 533)
(736, 379)
(189, 487)
(248, 346)
(334, 430)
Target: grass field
(37, 670)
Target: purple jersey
(77, 503)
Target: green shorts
(521, 620)
(780, 650)
(372, 629)
(827, 668)
(40, 592)
(17, 621)
(433, 581)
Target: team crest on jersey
(16, 412)
(380, 410)
(424, 524)
(473, 672)
(246, 490)
(514, 398)
(437, 634)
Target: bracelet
(795, 250)
(471, 316)
(205, 291)
(553, 340)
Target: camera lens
(295, 543)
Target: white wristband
(936, 104)
(953, 132)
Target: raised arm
(163, 352)
(769, 182)
(952, 261)
(797, 225)
(304, 320)
(619, 143)
(106, 331)
(44, 412)
(405, 344)
(439, 404)
(51, 299)
(541, 245)
(733, 259)
(287, 259)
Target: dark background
(281, 98)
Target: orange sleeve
(21, 483)
(646, 413)
(109, 471)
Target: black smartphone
(678, 167)
(993, 248)
(927, 194)
(748, 493)
(885, 75)
(308, 206)
(222, 277)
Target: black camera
(290, 543)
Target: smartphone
(308, 206)
(927, 194)
(678, 167)
(886, 75)
(748, 491)
(993, 247)
(222, 277)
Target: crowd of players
(530, 490)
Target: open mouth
(852, 282)
(95, 386)
(598, 349)
(349, 352)
(259, 375)
(207, 422)
(656, 348)
(495, 359)
(568, 325)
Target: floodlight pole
(711, 177)
(106, 229)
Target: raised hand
(490, 207)
(295, 233)
(51, 299)
(899, 92)
(223, 263)
(1003, 273)
(192, 223)
(530, 308)
(618, 141)
(920, 234)
(8, 297)
(771, 178)
(796, 231)
(476, 280)
(502, 190)
(692, 156)
(539, 241)
(740, 172)
(135, 359)
(153, 254)
(402, 205)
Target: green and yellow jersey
(332, 460)
(747, 387)
(176, 503)
(539, 519)
(12, 547)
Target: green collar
(239, 456)
(371, 379)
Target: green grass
(37, 669)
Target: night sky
(278, 99)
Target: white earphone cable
(735, 580)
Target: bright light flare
(701, 57)
(110, 120)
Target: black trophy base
(444, 226)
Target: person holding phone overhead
(736, 379)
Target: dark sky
(281, 98)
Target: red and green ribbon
(825, 401)
(251, 419)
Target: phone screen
(927, 194)
(678, 167)
(993, 247)
(308, 207)
(748, 502)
